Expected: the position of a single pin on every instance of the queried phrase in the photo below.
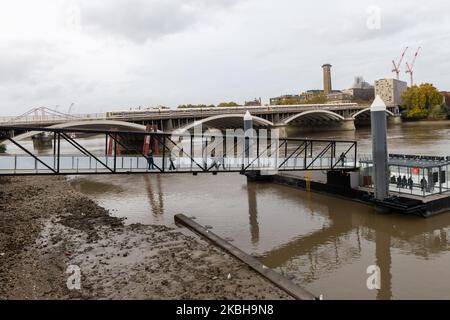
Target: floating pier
(346, 185)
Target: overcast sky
(115, 54)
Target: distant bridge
(341, 116)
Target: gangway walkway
(126, 152)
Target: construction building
(338, 96)
(254, 103)
(446, 96)
(390, 90)
(287, 99)
(361, 90)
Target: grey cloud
(139, 20)
(26, 63)
(234, 49)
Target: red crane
(397, 66)
(410, 67)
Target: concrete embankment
(46, 227)
(286, 285)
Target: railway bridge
(288, 118)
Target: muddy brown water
(320, 242)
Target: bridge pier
(395, 120)
(302, 127)
(42, 142)
(167, 125)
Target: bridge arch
(315, 114)
(230, 121)
(363, 111)
(85, 125)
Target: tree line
(220, 105)
(424, 101)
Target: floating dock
(345, 185)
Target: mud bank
(46, 227)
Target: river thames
(324, 244)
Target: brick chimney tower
(327, 78)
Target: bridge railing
(50, 118)
(139, 152)
(76, 164)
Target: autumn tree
(318, 99)
(419, 100)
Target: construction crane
(397, 66)
(410, 67)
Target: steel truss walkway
(126, 152)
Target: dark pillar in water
(384, 261)
(253, 212)
(248, 129)
(379, 149)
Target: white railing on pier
(74, 164)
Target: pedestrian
(217, 162)
(410, 183)
(342, 159)
(404, 182)
(223, 161)
(172, 165)
(393, 179)
(150, 160)
(399, 181)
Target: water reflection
(156, 200)
(384, 261)
(340, 243)
(253, 213)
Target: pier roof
(414, 161)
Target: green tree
(228, 104)
(419, 100)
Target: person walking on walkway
(342, 159)
(172, 165)
(150, 160)
(217, 162)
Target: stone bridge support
(293, 129)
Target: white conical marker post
(379, 148)
(248, 130)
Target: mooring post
(248, 132)
(379, 148)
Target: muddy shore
(47, 229)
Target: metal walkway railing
(128, 152)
